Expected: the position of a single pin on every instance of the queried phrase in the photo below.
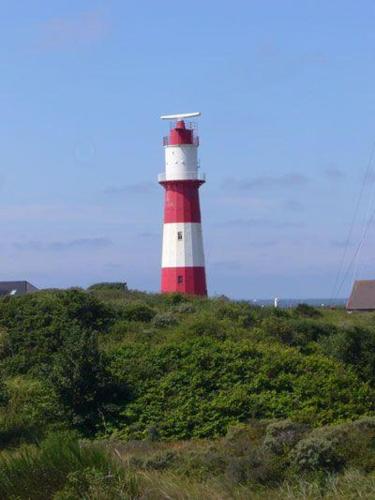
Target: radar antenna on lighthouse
(183, 267)
(181, 116)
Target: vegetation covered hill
(111, 393)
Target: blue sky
(287, 95)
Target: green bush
(296, 332)
(258, 466)
(164, 320)
(354, 441)
(314, 454)
(205, 326)
(365, 424)
(4, 392)
(354, 346)
(32, 409)
(138, 312)
(240, 312)
(184, 308)
(117, 285)
(307, 311)
(36, 325)
(121, 328)
(175, 298)
(84, 387)
(283, 435)
(199, 387)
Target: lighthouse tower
(183, 267)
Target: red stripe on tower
(183, 268)
(182, 201)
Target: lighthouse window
(180, 279)
(179, 235)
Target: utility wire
(370, 209)
(336, 291)
(370, 221)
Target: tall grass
(352, 485)
(61, 463)
(61, 468)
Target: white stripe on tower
(182, 245)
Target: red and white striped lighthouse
(183, 268)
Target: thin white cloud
(260, 223)
(285, 181)
(47, 213)
(137, 188)
(58, 246)
(82, 29)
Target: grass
(353, 485)
(62, 468)
(60, 463)
(213, 469)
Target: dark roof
(20, 286)
(362, 297)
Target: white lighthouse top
(181, 116)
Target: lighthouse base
(188, 280)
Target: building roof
(20, 287)
(362, 297)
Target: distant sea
(285, 303)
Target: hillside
(195, 397)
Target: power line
(336, 291)
(367, 227)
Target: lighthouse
(183, 268)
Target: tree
(85, 389)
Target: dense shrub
(353, 441)
(4, 393)
(113, 362)
(164, 320)
(117, 285)
(240, 438)
(32, 409)
(120, 328)
(197, 388)
(354, 346)
(138, 312)
(296, 332)
(184, 307)
(313, 454)
(240, 312)
(205, 326)
(37, 324)
(84, 387)
(364, 424)
(283, 435)
(258, 466)
(218, 366)
(175, 298)
(307, 311)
